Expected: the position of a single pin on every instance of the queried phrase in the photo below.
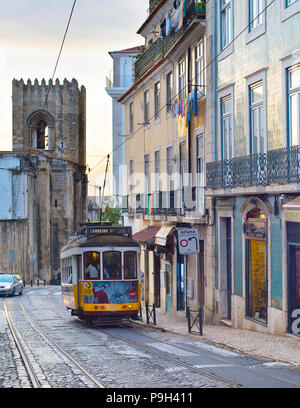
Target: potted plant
(200, 6)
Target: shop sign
(255, 228)
(188, 241)
(292, 216)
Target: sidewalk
(283, 348)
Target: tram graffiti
(113, 292)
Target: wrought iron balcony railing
(153, 4)
(158, 50)
(173, 203)
(280, 166)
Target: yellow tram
(100, 274)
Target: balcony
(163, 45)
(153, 4)
(184, 202)
(280, 166)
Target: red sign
(132, 294)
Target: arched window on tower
(41, 131)
(42, 135)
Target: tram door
(294, 289)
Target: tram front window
(112, 265)
(130, 267)
(92, 265)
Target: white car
(10, 285)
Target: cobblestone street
(66, 353)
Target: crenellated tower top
(50, 118)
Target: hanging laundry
(180, 17)
(168, 24)
(174, 109)
(175, 20)
(184, 8)
(195, 101)
(189, 113)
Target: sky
(31, 33)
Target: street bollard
(200, 321)
(38, 283)
(31, 282)
(188, 318)
(154, 314)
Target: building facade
(120, 81)
(252, 173)
(165, 118)
(44, 183)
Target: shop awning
(162, 235)
(293, 204)
(147, 235)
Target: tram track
(24, 355)
(218, 359)
(171, 359)
(198, 352)
(164, 356)
(36, 383)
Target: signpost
(188, 241)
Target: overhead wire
(187, 85)
(60, 51)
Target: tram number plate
(88, 289)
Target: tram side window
(112, 265)
(66, 275)
(92, 265)
(130, 265)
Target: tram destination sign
(188, 241)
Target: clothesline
(186, 106)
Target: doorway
(181, 282)
(225, 260)
(168, 288)
(157, 279)
(228, 265)
(200, 264)
(294, 288)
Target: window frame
(157, 168)
(252, 79)
(146, 107)
(121, 263)
(292, 92)
(200, 60)
(169, 91)
(259, 29)
(136, 262)
(255, 107)
(131, 175)
(224, 118)
(84, 264)
(147, 173)
(131, 125)
(290, 10)
(157, 95)
(226, 50)
(181, 79)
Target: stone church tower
(49, 131)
